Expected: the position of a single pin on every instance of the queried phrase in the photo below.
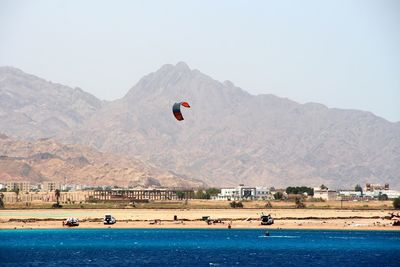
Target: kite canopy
(176, 109)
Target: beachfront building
(377, 190)
(139, 195)
(18, 186)
(50, 186)
(376, 187)
(43, 197)
(263, 193)
(244, 192)
(69, 187)
(377, 193)
(348, 194)
(325, 194)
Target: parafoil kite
(176, 109)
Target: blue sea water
(190, 247)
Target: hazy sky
(343, 54)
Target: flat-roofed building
(377, 190)
(391, 194)
(349, 194)
(138, 195)
(243, 192)
(50, 186)
(374, 187)
(20, 186)
(325, 194)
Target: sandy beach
(191, 218)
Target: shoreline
(365, 224)
(192, 219)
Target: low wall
(77, 196)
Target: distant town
(16, 191)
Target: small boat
(71, 222)
(108, 219)
(267, 220)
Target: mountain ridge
(230, 136)
(230, 83)
(49, 160)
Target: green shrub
(200, 194)
(235, 204)
(213, 191)
(299, 203)
(300, 190)
(396, 203)
(181, 195)
(278, 195)
(383, 197)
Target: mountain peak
(170, 68)
(168, 76)
(182, 66)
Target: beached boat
(108, 219)
(71, 222)
(395, 218)
(266, 219)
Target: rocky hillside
(47, 160)
(230, 136)
(31, 107)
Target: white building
(349, 193)
(390, 193)
(375, 190)
(243, 192)
(325, 194)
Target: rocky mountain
(230, 136)
(48, 160)
(32, 108)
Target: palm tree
(16, 190)
(57, 193)
(359, 189)
(1, 201)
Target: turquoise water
(144, 247)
